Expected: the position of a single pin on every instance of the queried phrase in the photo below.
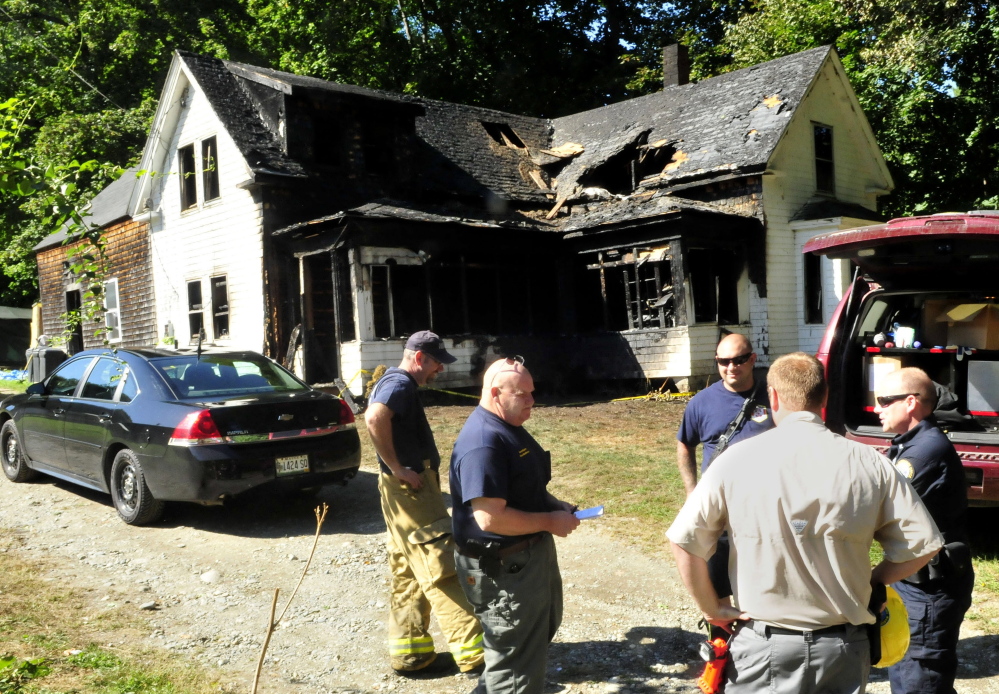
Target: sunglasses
(513, 361)
(886, 400)
(738, 361)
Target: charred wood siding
(128, 254)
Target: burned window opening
(825, 175)
(188, 178)
(635, 288)
(813, 288)
(210, 169)
(714, 282)
(504, 135)
(195, 309)
(619, 173)
(459, 295)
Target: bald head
(507, 389)
(911, 380)
(734, 343)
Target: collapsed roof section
(723, 125)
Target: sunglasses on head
(886, 400)
(738, 361)
(513, 361)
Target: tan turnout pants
(421, 558)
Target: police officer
(938, 595)
(504, 519)
(713, 412)
(420, 546)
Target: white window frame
(112, 316)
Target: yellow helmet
(894, 630)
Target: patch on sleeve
(470, 580)
(760, 414)
(524, 452)
(905, 467)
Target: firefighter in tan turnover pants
(420, 546)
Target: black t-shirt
(496, 460)
(411, 434)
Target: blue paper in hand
(592, 512)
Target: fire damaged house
(322, 223)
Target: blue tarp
(13, 375)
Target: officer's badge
(760, 414)
(905, 467)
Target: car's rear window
(225, 375)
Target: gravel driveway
(628, 625)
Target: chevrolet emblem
(285, 417)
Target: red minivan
(926, 294)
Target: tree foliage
(925, 74)
(90, 70)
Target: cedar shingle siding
(128, 253)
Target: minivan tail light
(346, 414)
(197, 429)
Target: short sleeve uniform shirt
(709, 413)
(411, 434)
(926, 457)
(496, 460)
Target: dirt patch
(628, 626)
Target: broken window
(825, 180)
(409, 285)
(714, 283)
(635, 288)
(210, 169)
(195, 309)
(112, 312)
(188, 178)
(503, 134)
(220, 306)
(621, 172)
(381, 301)
(813, 288)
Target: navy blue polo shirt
(496, 460)
(927, 458)
(411, 434)
(710, 412)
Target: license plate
(291, 466)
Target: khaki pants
(421, 558)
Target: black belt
(780, 631)
(503, 552)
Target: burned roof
(729, 123)
(721, 126)
(258, 145)
(635, 208)
(107, 207)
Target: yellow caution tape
(451, 392)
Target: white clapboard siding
(220, 237)
(790, 184)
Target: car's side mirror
(35, 389)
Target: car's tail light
(346, 414)
(197, 429)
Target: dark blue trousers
(936, 610)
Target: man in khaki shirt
(802, 506)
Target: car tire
(11, 456)
(132, 499)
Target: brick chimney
(676, 65)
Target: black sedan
(150, 426)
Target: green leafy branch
(57, 186)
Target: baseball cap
(430, 343)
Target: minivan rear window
(225, 375)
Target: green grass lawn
(623, 455)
